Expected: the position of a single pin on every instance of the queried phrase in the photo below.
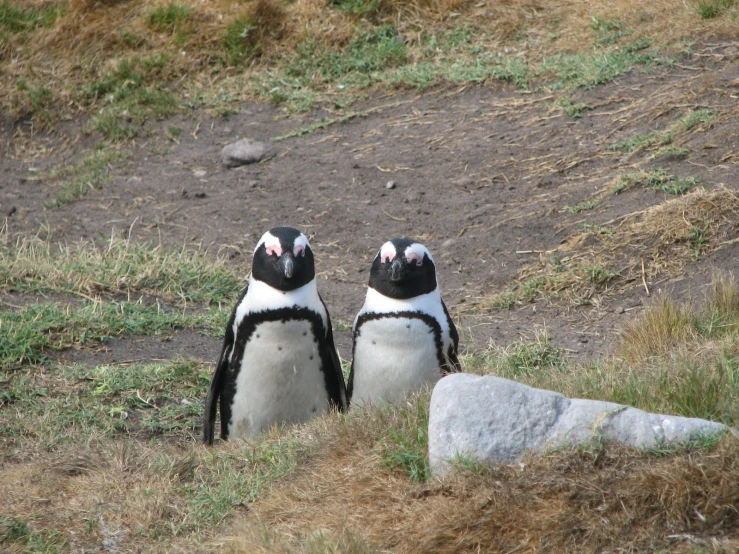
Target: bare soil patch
(488, 177)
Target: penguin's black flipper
(335, 377)
(454, 347)
(218, 380)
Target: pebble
(243, 152)
(390, 185)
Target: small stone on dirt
(390, 185)
(243, 152)
(620, 310)
(448, 243)
(200, 173)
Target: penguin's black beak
(287, 264)
(396, 269)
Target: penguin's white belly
(280, 379)
(393, 356)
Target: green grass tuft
(29, 332)
(35, 266)
(16, 19)
(708, 9)
(130, 94)
(169, 18)
(657, 179)
(406, 444)
(238, 41)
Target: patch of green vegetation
(88, 175)
(570, 71)
(708, 9)
(39, 101)
(575, 280)
(16, 531)
(675, 152)
(523, 359)
(170, 18)
(695, 117)
(173, 133)
(520, 293)
(131, 93)
(226, 480)
(661, 138)
(608, 31)
(583, 206)
(657, 179)
(75, 402)
(238, 42)
(638, 142)
(314, 70)
(370, 52)
(698, 237)
(408, 441)
(356, 7)
(34, 266)
(28, 332)
(573, 110)
(597, 274)
(15, 19)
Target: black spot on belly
(305, 333)
(314, 409)
(257, 335)
(311, 356)
(407, 325)
(279, 348)
(374, 342)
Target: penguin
(404, 337)
(278, 363)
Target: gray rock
(490, 419)
(243, 152)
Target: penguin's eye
(414, 259)
(299, 251)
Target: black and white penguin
(403, 335)
(278, 362)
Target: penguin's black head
(283, 259)
(403, 269)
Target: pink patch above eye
(299, 250)
(387, 254)
(413, 258)
(274, 250)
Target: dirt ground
(483, 176)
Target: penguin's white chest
(393, 356)
(280, 379)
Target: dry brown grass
(666, 325)
(635, 249)
(589, 500)
(92, 36)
